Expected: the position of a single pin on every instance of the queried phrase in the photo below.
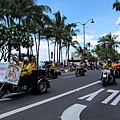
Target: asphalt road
(69, 98)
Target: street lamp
(84, 24)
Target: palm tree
(38, 28)
(88, 45)
(107, 44)
(116, 5)
(10, 11)
(28, 9)
(69, 43)
(112, 43)
(68, 40)
(103, 42)
(56, 31)
(97, 51)
(79, 51)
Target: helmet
(26, 58)
(81, 62)
(109, 60)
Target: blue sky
(101, 11)
(105, 18)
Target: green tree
(116, 5)
(106, 48)
(19, 11)
(79, 51)
(56, 31)
(88, 45)
(68, 40)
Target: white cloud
(43, 50)
(88, 38)
(118, 21)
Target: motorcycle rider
(34, 75)
(118, 62)
(118, 68)
(82, 66)
(26, 70)
(52, 67)
(33, 63)
(110, 65)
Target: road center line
(44, 101)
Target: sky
(106, 19)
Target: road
(69, 98)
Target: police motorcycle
(10, 78)
(107, 77)
(80, 72)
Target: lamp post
(84, 24)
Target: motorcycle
(80, 72)
(11, 85)
(117, 73)
(107, 77)
(117, 70)
(49, 73)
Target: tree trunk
(54, 51)
(48, 49)
(38, 52)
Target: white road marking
(91, 95)
(5, 99)
(115, 102)
(73, 112)
(44, 101)
(114, 93)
